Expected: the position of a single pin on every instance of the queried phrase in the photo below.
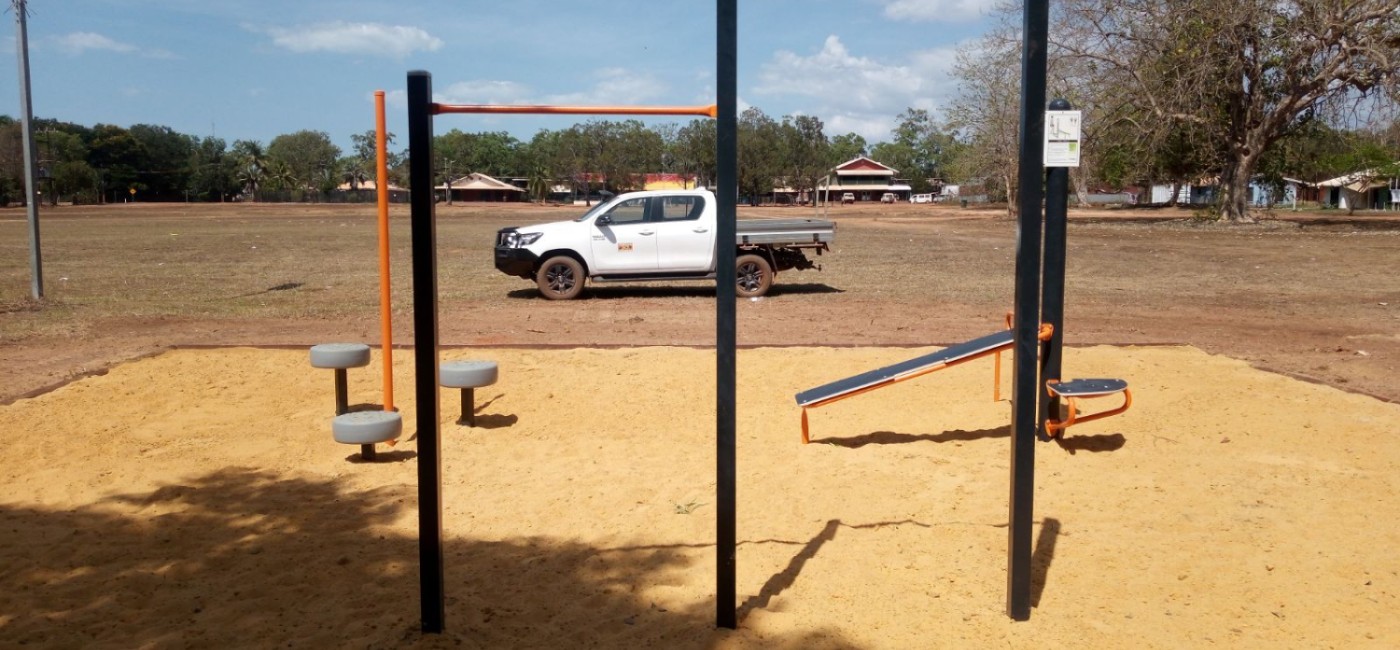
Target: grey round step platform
(339, 355)
(1097, 387)
(467, 374)
(366, 427)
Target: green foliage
(308, 160)
(117, 156)
(804, 152)
(760, 162)
(694, 151)
(846, 147)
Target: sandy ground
(196, 499)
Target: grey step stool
(468, 376)
(363, 428)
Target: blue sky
(254, 69)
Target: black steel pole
(425, 351)
(1052, 293)
(726, 159)
(1027, 319)
(342, 392)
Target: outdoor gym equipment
(421, 110)
(363, 428)
(1025, 329)
(1051, 278)
(916, 367)
(468, 376)
(367, 428)
(977, 348)
(1036, 331)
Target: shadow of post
(1043, 555)
(784, 579)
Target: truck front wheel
(753, 275)
(560, 278)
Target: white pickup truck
(655, 235)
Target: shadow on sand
(301, 562)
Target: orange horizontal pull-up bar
(708, 111)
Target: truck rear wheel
(753, 276)
(560, 278)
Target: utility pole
(31, 203)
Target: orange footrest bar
(1084, 389)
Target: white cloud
(874, 128)
(612, 87)
(859, 94)
(396, 41)
(937, 10)
(486, 91)
(615, 87)
(79, 42)
(833, 74)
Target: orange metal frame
(1043, 335)
(1053, 428)
(707, 111)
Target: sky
(256, 69)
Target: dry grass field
(171, 480)
(1314, 296)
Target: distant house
(368, 191)
(1363, 190)
(476, 187)
(666, 181)
(864, 178)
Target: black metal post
(342, 406)
(469, 406)
(342, 393)
(425, 352)
(1023, 393)
(1052, 307)
(726, 159)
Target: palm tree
(356, 172)
(278, 175)
(252, 165)
(538, 185)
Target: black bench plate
(1088, 387)
(879, 376)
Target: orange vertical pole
(381, 183)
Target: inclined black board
(881, 375)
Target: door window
(681, 208)
(629, 211)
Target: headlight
(519, 240)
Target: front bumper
(518, 262)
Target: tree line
(1173, 91)
(107, 163)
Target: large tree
(847, 147)
(984, 116)
(759, 159)
(117, 157)
(695, 151)
(1236, 78)
(805, 152)
(165, 160)
(310, 158)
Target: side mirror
(603, 220)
